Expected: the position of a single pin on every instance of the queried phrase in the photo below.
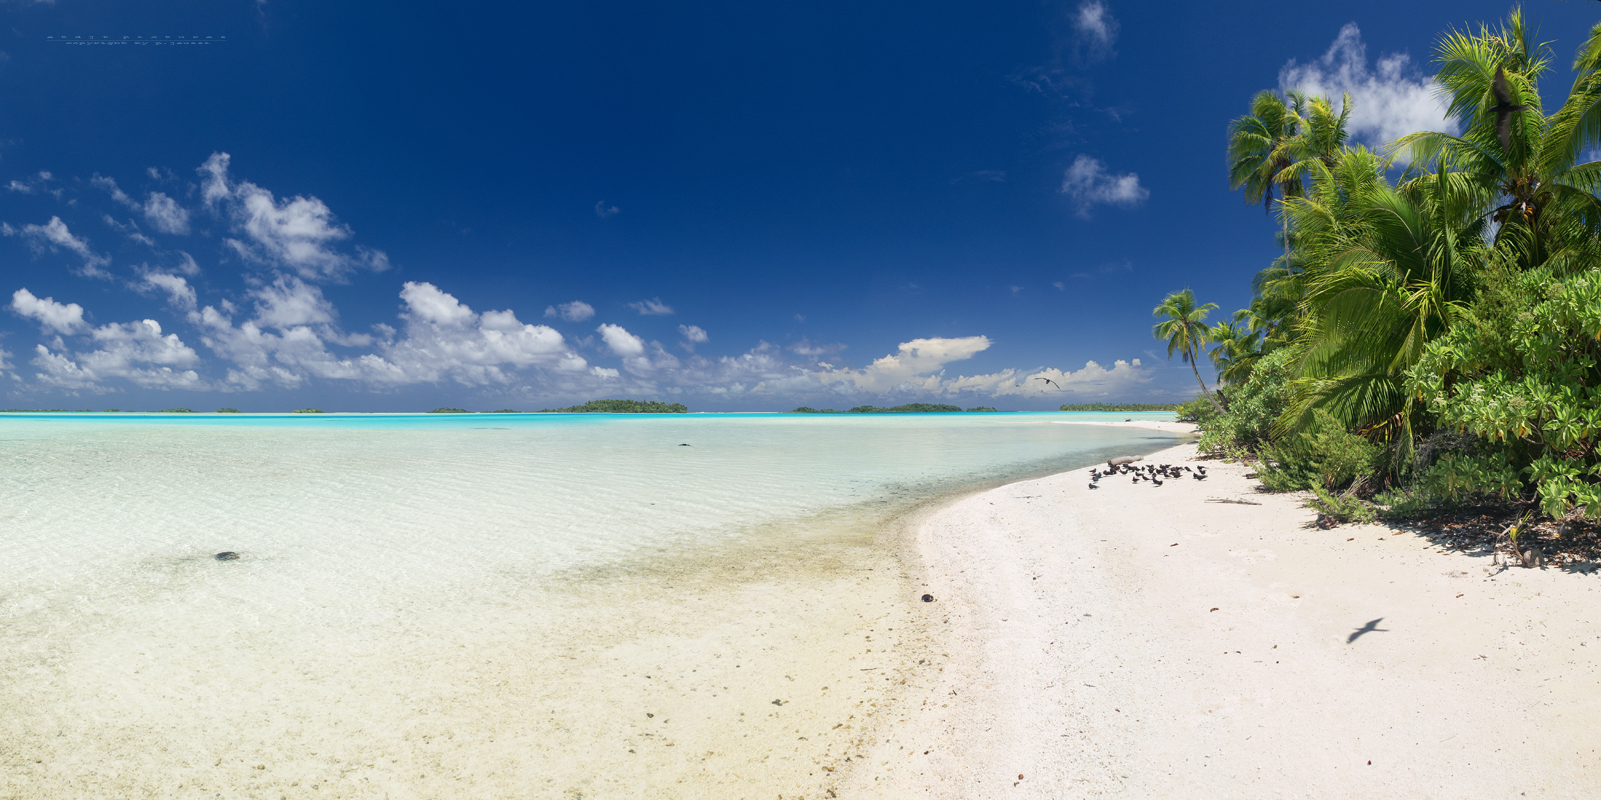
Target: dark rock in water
(928, 598)
(227, 555)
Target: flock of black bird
(1149, 472)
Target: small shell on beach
(928, 598)
(227, 555)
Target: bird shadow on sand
(1371, 627)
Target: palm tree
(1536, 166)
(1391, 270)
(1262, 147)
(1237, 351)
(1183, 327)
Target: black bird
(1503, 109)
(1155, 481)
(1049, 381)
(1198, 476)
(1093, 486)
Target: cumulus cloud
(51, 316)
(605, 211)
(299, 233)
(621, 342)
(136, 351)
(1088, 184)
(289, 302)
(1093, 381)
(916, 367)
(576, 311)
(54, 236)
(180, 294)
(693, 335)
(652, 307)
(166, 215)
(1388, 100)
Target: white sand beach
(1149, 642)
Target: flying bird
(1049, 381)
(1503, 109)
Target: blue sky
(383, 207)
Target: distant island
(307, 411)
(620, 407)
(909, 408)
(1120, 407)
(227, 411)
(449, 411)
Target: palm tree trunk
(1208, 394)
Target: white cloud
(51, 315)
(1095, 24)
(605, 211)
(693, 335)
(1088, 184)
(289, 302)
(915, 367)
(110, 186)
(130, 229)
(188, 267)
(809, 349)
(1389, 100)
(652, 307)
(136, 351)
(180, 294)
(1093, 380)
(621, 342)
(166, 215)
(54, 235)
(576, 311)
(36, 183)
(298, 232)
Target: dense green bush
(1523, 374)
(1252, 409)
(1323, 455)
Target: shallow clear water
(362, 536)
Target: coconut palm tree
(1527, 161)
(1391, 270)
(1236, 350)
(1183, 327)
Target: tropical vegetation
(620, 407)
(1430, 332)
(1119, 407)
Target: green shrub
(1252, 409)
(1323, 455)
(1342, 508)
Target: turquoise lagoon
(468, 604)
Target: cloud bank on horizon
(283, 332)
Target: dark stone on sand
(227, 555)
(928, 598)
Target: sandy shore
(1149, 642)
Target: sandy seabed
(1139, 641)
